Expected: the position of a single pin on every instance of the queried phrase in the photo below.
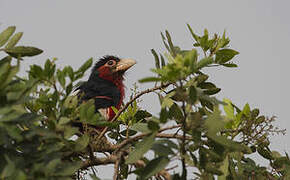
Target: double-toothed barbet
(105, 85)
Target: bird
(105, 85)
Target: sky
(73, 31)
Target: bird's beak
(124, 64)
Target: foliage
(39, 138)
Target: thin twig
(171, 168)
(130, 102)
(170, 127)
(116, 169)
(99, 161)
(93, 169)
(135, 138)
(182, 147)
(159, 135)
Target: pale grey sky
(74, 31)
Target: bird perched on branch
(105, 84)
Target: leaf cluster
(36, 139)
(218, 144)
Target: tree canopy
(195, 135)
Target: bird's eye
(111, 62)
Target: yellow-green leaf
(154, 166)
(5, 35)
(141, 148)
(14, 40)
(229, 109)
(22, 51)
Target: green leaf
(179, 94)
(157, 63)
(246, 110)
(68, 169)
(225, 169)
(140, 127)
(19, 175)
(167, 102)
(204, 43)
(154, 166)
(141, 114)
(9, 168)
(69, 88)
(71, 102)
(52, 165)
(204, 62)
(214, 123)
(22, 51)
(36, 71)
(172, 49)
(64, 120)
(230, 65)
(265, 153)
(191, 58)
(209, 168)
(201, 78)
(162, 61)
(5, 35)
(82, 142)
(206, 102)
(10, 75)
(222, 42)
(14, 132)
(69, 71)
(229, 144)
(164, 115)
(196, 38)
(69, 132)
(164, 42)
(161, 149)
(14, 40)
(153, 126)
(167, 142)
(125, 131)
(207, 85)
(61, 78)
(49, 69)
(175, 112)
(193, 121)
(225, 55)
(255, 113)
(192, 94)
(279, 162)
(229, 109)
(212, 91)
(140, 149)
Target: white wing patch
(104, 112)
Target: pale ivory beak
(125, 64)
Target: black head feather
(104, 60)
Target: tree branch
(159, 135)
(115, 159)
(116, 168)
(98, 161)
(182, 145)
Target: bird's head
(112, 68)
